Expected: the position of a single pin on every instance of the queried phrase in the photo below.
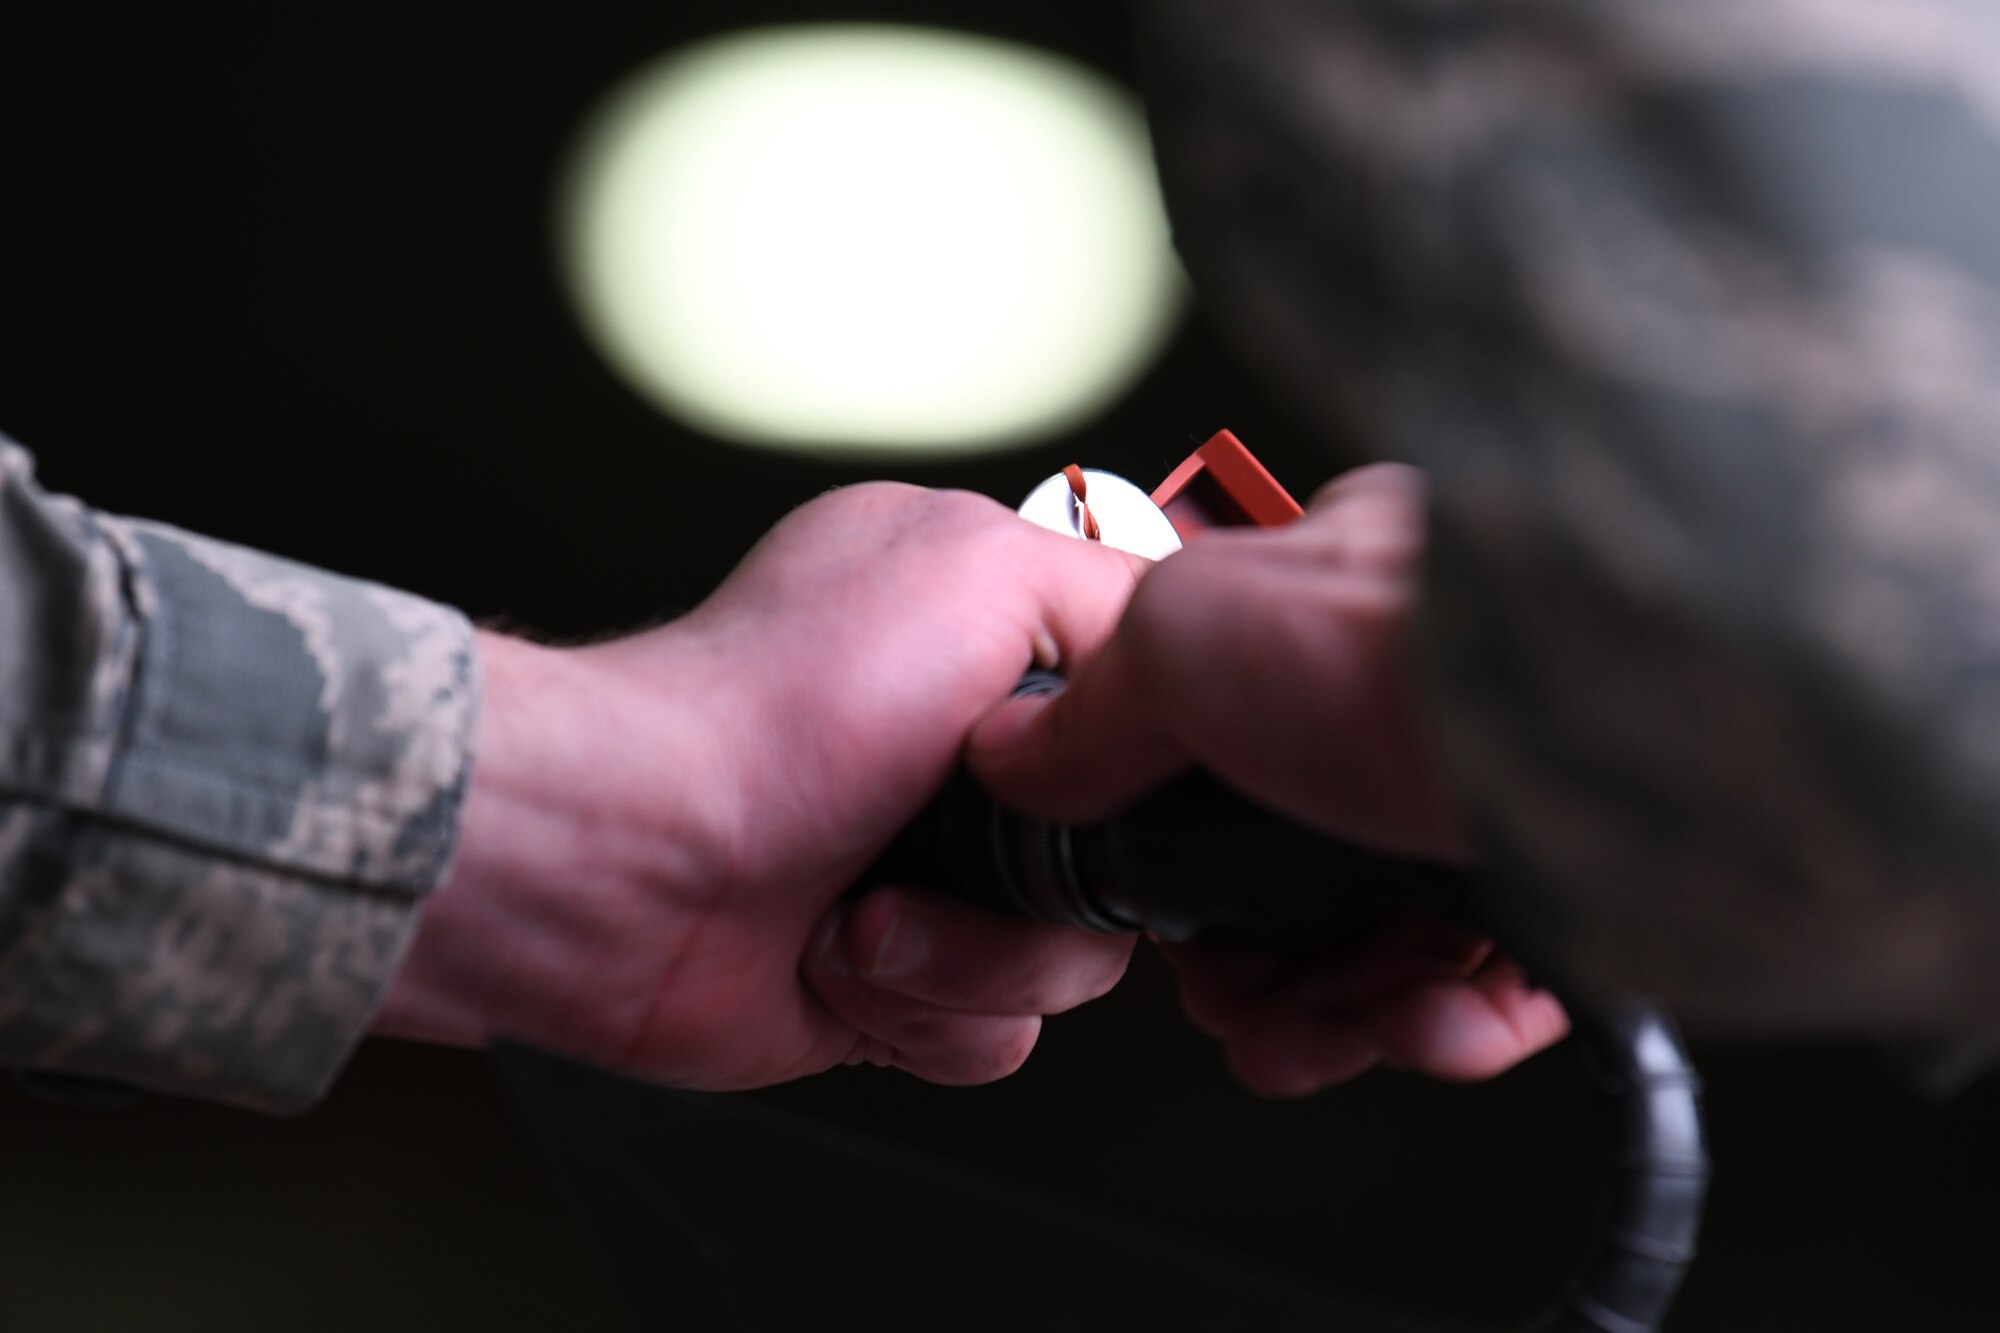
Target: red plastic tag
(1222, 486)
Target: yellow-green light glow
(871, 239)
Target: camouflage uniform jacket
(226, 782)
(1691, 310)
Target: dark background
(287, 279)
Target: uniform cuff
(225, 875)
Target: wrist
(558, 830)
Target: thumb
(1082, 754)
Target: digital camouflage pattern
(226, 782)
(1691, 310)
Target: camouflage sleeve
(1692, 312)
(226, 782)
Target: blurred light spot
(871, 239)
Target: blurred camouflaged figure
(1691, 310)
(226, 781)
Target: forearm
(548, 839)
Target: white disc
(1126, 516)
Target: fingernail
(827, 946)
(901, 952)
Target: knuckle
(1033, 990)
(1376, 527)
(961, 512)
(866, 499)
(1397, 484)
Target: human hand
(660, 829)
(1276, 660)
